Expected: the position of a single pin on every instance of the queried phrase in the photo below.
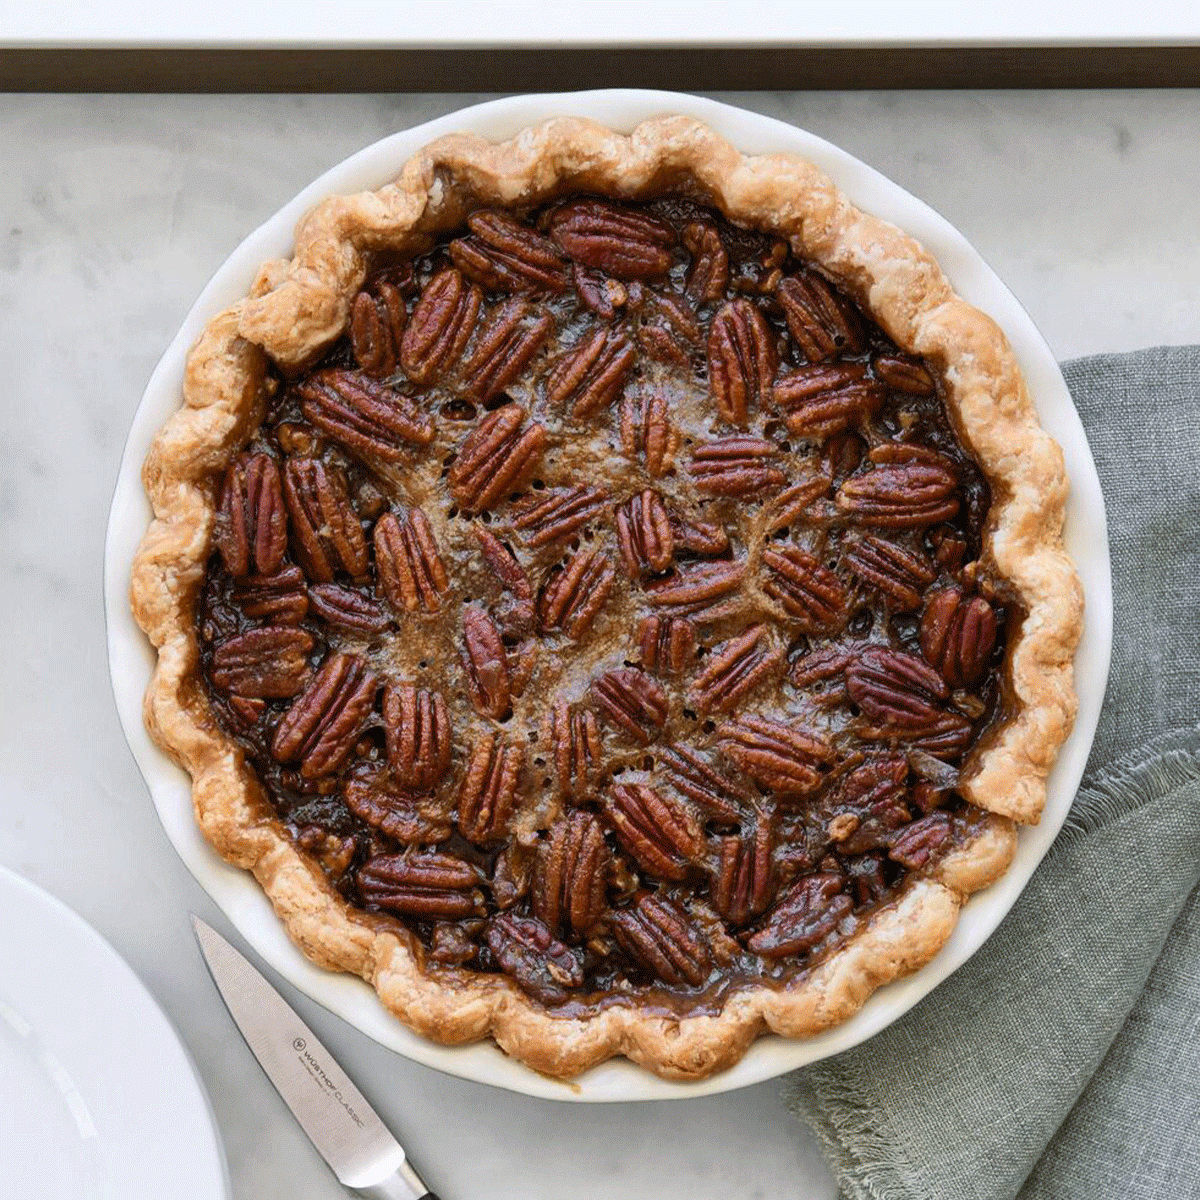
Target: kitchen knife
(345, 1129)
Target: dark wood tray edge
(800, 68)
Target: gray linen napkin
(1063, 1061)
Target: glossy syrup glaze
(606, 608)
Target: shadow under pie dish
(610, 592)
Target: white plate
(100, 1100)
(131, 658)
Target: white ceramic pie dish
(131, 657)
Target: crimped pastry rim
(294, 312)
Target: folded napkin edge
(868, 1160)
(1136, 780)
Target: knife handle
(405, 1184)
(387, 1191)
(393, 1189)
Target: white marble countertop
(114, 211)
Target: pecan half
(805, 587)
(917, 844)
(376, 327)
(708, 272)
(900, 494)
(822, 322)
(507, 343)
(735, 669)
(485, 663)
(385, 804)
(525, 949)
(250, 530)
(823, 399)
(489, 789)
(570, 876)
(408, 564)
(658, 831)
(736, 466)
(741, 359)
(495, 458)
(946, 738)
(326, 719)
(363, 414)
(742, 883)
(557, 513)
(592, 373)
(810, 910)
(506, 255)
(693, 775)
(895, 689)
(903, 373)
(418, 731)
(270, 663)
(574, 740)
(644, 534)
(784, 758)
(646, 430)
(631, 701)
(279, 599)
(657, 934)
(515, 612)
(693, 589)
(958, 635)
(348, 609)
(666, 644)
(573, 598)
(439, 328)
(625, 242)
(901, 575)
(326, 533)
(429, 884)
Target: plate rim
(234, 891)
(186, 1085)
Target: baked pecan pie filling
(605, 611)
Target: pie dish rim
(556, 99)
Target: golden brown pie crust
(299, 307)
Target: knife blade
(345, 1129)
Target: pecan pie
(610, 592)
